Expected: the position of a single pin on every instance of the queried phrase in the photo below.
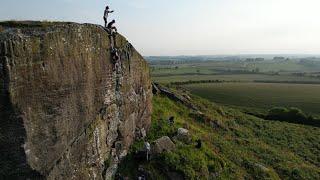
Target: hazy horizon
(240, 55)
(213, 27)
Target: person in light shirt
(106, 14)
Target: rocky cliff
(67, 111)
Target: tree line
(292, 115)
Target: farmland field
(261, 96)
(268, 70)
(245, 83)
(233, 77)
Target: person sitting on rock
(105, 16)
(111, 27)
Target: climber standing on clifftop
(112, 30)
(106, 14)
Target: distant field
(233, 77)
(211, 66)
(269, 70)
(261, 96)
(252, 85)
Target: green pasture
(234, 77)
(261, 96)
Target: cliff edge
(67, 111)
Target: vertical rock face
(67, 111)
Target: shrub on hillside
(292, 115)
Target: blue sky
(192, 27)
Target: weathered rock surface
(66, 110)
(183, 135)
(185, 100)
(163, 144)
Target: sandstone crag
(67, 111)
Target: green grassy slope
(235, 145)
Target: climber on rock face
(115, 55)
(105, 16)
(111, 27)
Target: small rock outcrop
(183, 135)
(183, 99)
(66, 110)
(163, 144)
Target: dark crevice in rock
(13, 160)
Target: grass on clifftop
(30, 24)
(235, 145)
